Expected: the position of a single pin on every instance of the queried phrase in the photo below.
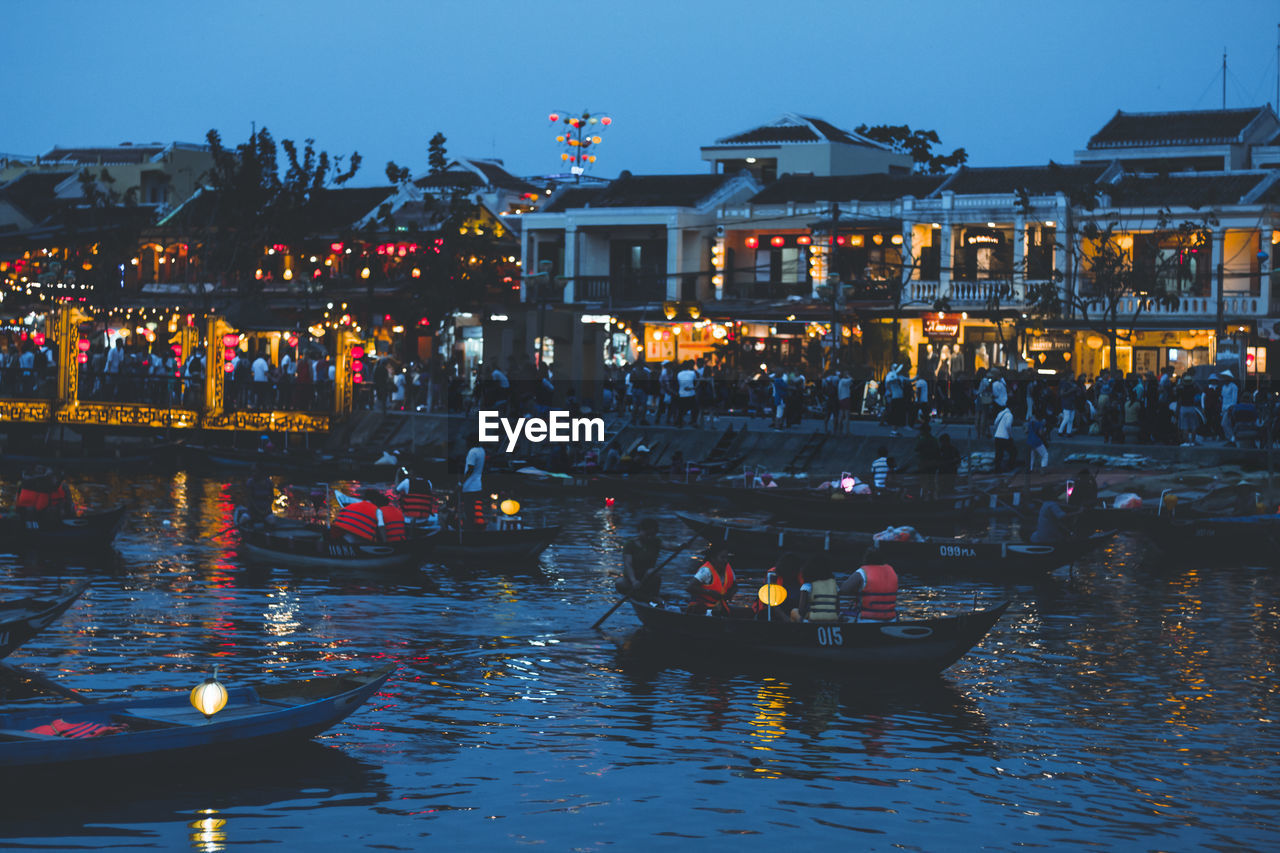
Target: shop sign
(983, 237)
(942, 326)
(1051, 343)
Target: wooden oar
(52, 686)
(647, 575)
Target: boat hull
(23, 619)
(472, 545)
(762, 543)
(922, 647)
(305, 548)
(169, 729)
(90, 531)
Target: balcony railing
(966, 293)
(1233, 305)
(616, 290)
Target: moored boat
(167, 727)
(860, 512)
(491, 543)
(88, 531)
(760, 543)
(1224, 539)
(23, 618)
(908, 647)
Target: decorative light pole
(581, 133)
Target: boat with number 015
(167, 728)
(917, 647)
(23, 618)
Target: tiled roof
(571, 198)
(1186, 189)
(796, 128)
(1191, 127)
(642, 191)
(872, 187)
(33, 193)
(1035, 180)
(106, 156)
(332, 211)
(470, 172)
(450, 178)
(500, 177)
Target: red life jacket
(33, 499)
(879, 597)
(712, 594)
(418, 502)
(393, 524)
(59, 499)
(61, 728)
(360, 520)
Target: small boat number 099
(955, 551)
(829, 637)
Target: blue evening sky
(1015, 83)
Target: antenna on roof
(1224, 78)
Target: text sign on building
(1051, 342)
(942, 326)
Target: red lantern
(778, 241)
(608, 501)
(82, 345)
(335, 247)
(38, 337)
(840, 241)
(606, 121)
(82, 358)
(554, 117)
(752, 242)
(230, 340)
(293, 340)
(357, 352)
(804, 240)
(176, 349)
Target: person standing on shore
(1230, 397)
(1003, 440)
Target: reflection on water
(1125, 703)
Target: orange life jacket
(713, 594)
(879, 597)
(59, 499)
(393, 524)
(360, 520)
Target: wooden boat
(860, 512)
(23, 618)
(758, 543)
(917, 647)
(168, 728)
(310, 547)
(88, 531)
(490, 543)
(1224, 539)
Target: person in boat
(639, 556)
(34, 494)
(262, 496)
(788, 573)
(881, 468)
(714, 584)
(470, 510)
(1083, 493)
(371, 519)
(819, 597)
(948, 464)
(417, 501)
(1054, 524)
(61, 504)
(875, 588)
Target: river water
(1130, 704)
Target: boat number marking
(909, 632)
(956, 551)
(829, 637)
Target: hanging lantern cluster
(579, 136)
